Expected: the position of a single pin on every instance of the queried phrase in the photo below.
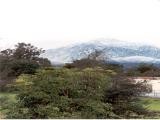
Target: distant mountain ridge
(118, 51)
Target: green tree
(62, 93)
(124, 94)
(24, 58)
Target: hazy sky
(55, 23)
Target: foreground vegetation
(6, 99)
(152, 105)
(86, 88)
(74, 93)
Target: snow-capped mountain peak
(115, 49)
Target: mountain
(118, 51)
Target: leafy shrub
(62, 93)
(124, 95)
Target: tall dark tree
(23, 59)
(26, 51)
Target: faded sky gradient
(56, 23)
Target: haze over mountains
(117, 51)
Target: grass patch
(5, 100)
(10, 96)
(152, 104)
(153, 107)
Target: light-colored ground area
(155, 82)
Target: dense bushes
(68, 93)
(144, 70)
(124, 95)
(63, 93)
